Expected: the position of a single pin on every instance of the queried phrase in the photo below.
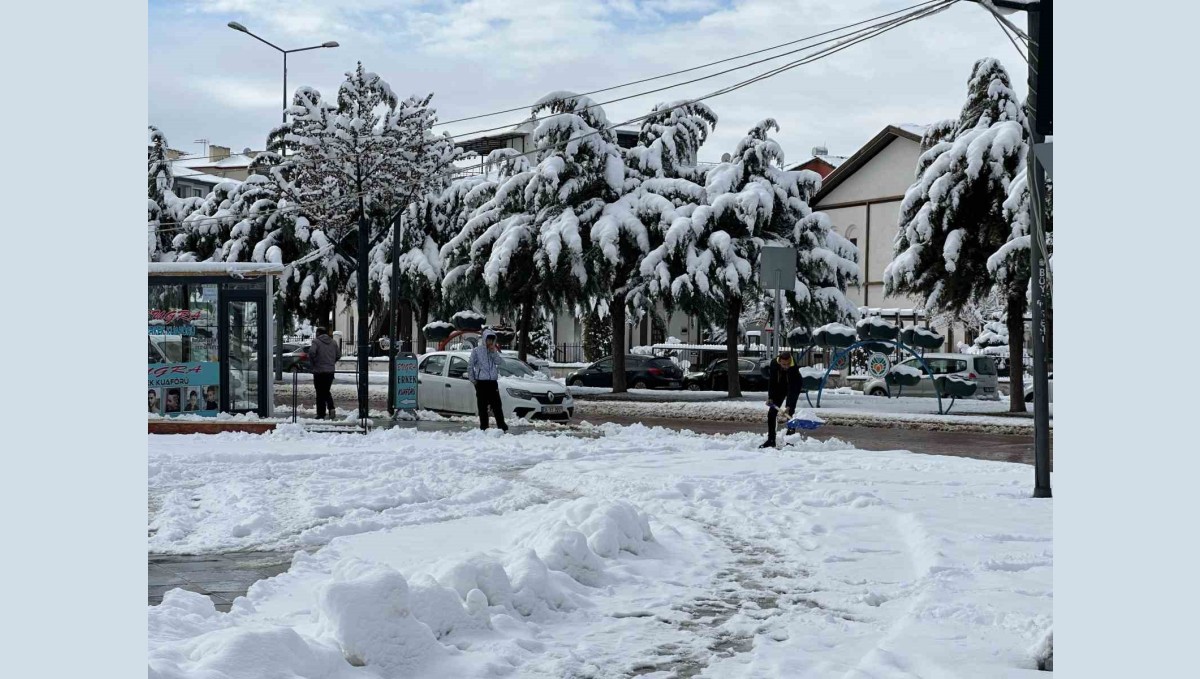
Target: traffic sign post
(777, 267)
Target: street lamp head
(331, 43)
(237, 27)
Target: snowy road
(635, 553)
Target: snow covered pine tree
(165, 211)
(660, 186)
(751, 202)
(952, 218)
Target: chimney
(174, 154)
(820, 151)
(216, 153)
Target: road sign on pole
(777, 271)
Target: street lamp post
(238, 27)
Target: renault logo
(550, 395)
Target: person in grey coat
(484, 372)
(323, 356)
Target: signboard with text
(406, 381)
(183, 389)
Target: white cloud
(478, 56)
(241, 94)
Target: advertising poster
(183, 389)
(406, 381)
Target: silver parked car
(976, 367)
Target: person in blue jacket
(783, 388)
(484, 372)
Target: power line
(861, 37)
(1014, 43)
(701, 66)
(659, 77)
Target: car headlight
(521, 394)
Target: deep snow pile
(642, 551)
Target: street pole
(1039, 31)
(242, 29)
(394, 321)
(280, 320)
(776, 338)
(363, 291)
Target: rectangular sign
(174, 330)
(777, 268)
(183, 389)
(406, 381)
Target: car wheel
(576, 382)
(640, 384)
(693, 386)
(878, 392)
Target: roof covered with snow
(909, 131)
(235, 269)
(180, 171)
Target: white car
(442, 385)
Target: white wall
(887, 175)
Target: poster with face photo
(154, 401)
(185, 388)
(191, 400)
(210, 397)
(172, 400)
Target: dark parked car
(715, 377)
(296, 356)
(641, 372)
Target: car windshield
(511, 367)
(661, 363)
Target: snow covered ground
(624, 552)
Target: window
(854, 242)
(719, 366)
(945, 366)
(605, 364)
(984, 365)
(433, 365)
(511, 367)
(458, 368)
(745, 366)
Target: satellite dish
(725, 157)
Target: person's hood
(326, 339)
(488, 333)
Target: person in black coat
(783, 388)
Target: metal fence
(569, 353)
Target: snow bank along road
(639, 552)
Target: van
(977, 367)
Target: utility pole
(1040, 114)
(364, 342)
(394, 321)
(1041, 121)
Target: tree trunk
(422, 320)
(523, 343)
(733, 315)
(1016, 351)
(616, 309)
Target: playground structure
(876, 335)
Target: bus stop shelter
(210, 334)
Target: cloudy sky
(210, 82)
